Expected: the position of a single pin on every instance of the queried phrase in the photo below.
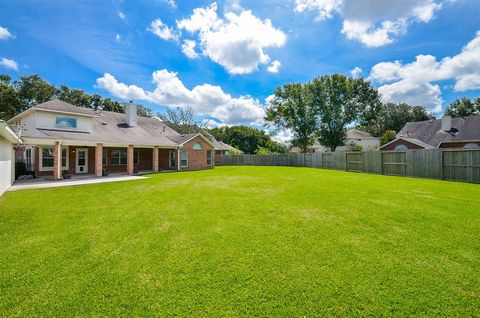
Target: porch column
(130, 160)
(155, 159)
(57, 161)
(99, 160)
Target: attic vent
(104, 123)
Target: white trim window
(119, 157)
(209, 157)
(172, 162)
(136, 157)
(184, 158)
(104, 157)
(64, 122)
(46, 158)
(197, 146)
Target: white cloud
(11, 64)
(356, 72)
(237, 42)
(414, 82)
(274, 67)
(188, 48)
(118, 37)
(110, 84)
(5, 34)
(283, 136)
(164, 32)
(205, 99)
(121, 15)
(373, 22)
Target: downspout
(178, 159)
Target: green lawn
(243, 241)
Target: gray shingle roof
(180, 139)
(107, 127)
(431, 133)
(219, 145)
(61, 106)
(358, 134)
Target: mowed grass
(243, 241)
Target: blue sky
(143, 50)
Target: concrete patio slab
(71, 182)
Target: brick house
(448, 132)
(60, 138)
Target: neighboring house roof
(358, 134)
(220, 145)
(430, 131)
(109, 128)
(8, 133)
(412, 140)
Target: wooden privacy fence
(450, 164)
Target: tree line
(17, 96)
(322, 109)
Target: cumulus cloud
(118, 37)
(205, 99)
(415, 82)
(373, 22)
(188, 48)
(274, 67)
(121, 15)
(237, 42)
(5, 34)
(7, 63)
(356, 72)
(164, 32)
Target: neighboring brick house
(61, 138)
(448, 132)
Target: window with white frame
(171, 158)
(63, 122)
(209, 157)
(197, 146)
(136, 157)
(119, 157)
(104, 157)
(184, 158)
(46, 158)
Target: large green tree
(392, 117)
(290, 109)
(10, 103)
(32, 90)
(463, 107)
(247, 139)
(337, 102)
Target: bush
(356, 147)
(388, 136)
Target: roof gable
(431, 133)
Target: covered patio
(74, 160)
